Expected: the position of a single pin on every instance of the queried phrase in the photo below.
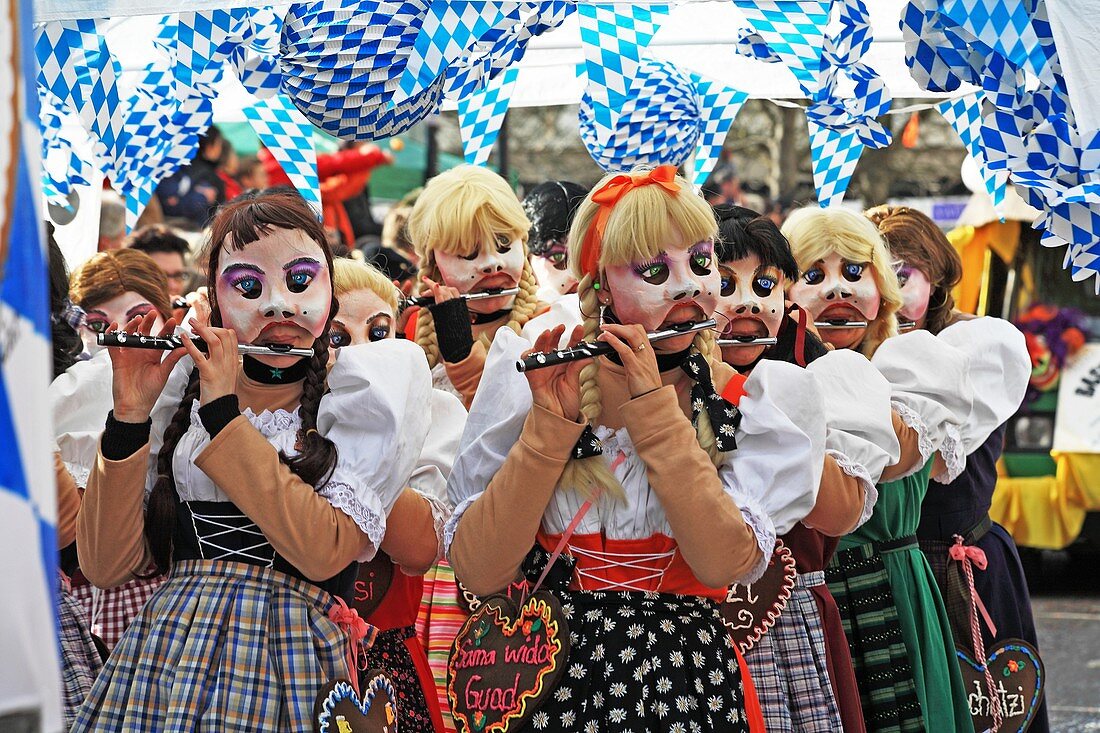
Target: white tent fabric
(698, 36)
(1076, 26)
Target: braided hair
(237, 224)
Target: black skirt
(643, 662)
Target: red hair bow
(607, 196)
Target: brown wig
(109, 274)
(246, 219)
(915, 239)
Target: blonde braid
(585, 475)
(706, 345)
(527, 300)
(425, 324)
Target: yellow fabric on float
(1047, 512)
(971, 244)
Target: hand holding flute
(587, 350)
(139, 375)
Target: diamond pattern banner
(657, 123)
(718, 106)
(481, 114)
(613, 38)
(1005, 27)
(965, 115)
(794, 30)
(448, 30)
(834, 155)
(289, 136)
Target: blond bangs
(463, 208)
(645, 222)
(349, 276)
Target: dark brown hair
(114, 272)
(915, 239)
(236, 225)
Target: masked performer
(681, 488)
(955, 528)
(470, 234)
(897, 627)
(368, 310)
(269, 480)
(111, 287)
(801, 668)
(551, 206)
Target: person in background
(228, 167)
(112, 222)
(251, 173)
(550, 206)
(169, 250)
(342, 174)
(195, 191)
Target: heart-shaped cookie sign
(751, 609)
(1019, 681)
(506, 660)
(371, 585)
(339, 709)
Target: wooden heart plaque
(506, 660)
(751, 609)
(371, 585)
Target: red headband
(607, 196)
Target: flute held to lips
(588, 350)
(116, 339)
(840, 323)
(748, 341)
(423, 300)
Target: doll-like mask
(750, 303)
(496, 265)
(915, 293)
(837, 290)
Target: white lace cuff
(79, 473)
(364, 508)
(857, 471)
(954, 456)
(913, 420)
(761, 525)
(441, 512)
(452, 523)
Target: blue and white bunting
(965, 116)
(834, 155)
(794, 30)
(718, 106)
(1005, 27)
(480, 116)
(289, 136)
(614, 37)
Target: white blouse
(772, 476)
(80, 399)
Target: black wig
(550, 206)
(742, 232)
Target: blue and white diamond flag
(481, 114)
(965, 116)
(794, 30)
(718, 106)
(833, 156)
(613, 37)
(1005, 27)
(449, 30)
(289, 136)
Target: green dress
(895, 620)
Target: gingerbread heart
(751, 609)
(505, 661)
(371, 585)
(1019, 681)
(339, 709)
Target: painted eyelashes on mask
(851, 272)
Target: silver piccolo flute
(749, 341)
(423, 300)
(589, 350)
(904, 325)
(121, 339)
(840, 323)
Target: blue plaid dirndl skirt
(220, 646)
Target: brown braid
(160, 514)
(317, 458)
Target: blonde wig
(815, 233)
(460, 210)
(645, 221)
(352, 275)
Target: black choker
(257, 371)
(479, 319)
